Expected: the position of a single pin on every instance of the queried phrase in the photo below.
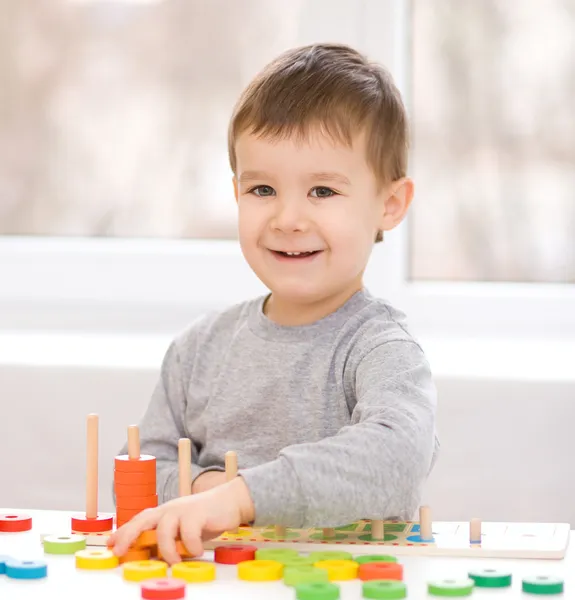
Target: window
(494, 141)
(116, 204)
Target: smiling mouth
(296, 255)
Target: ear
(235, 182)
(397, 198)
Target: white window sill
(517, 359)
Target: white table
(65, 582)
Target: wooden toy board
(498, 540)
(65, 582)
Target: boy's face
(315, 197)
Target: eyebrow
(321, 175)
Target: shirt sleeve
(374, 468)
(163, 424)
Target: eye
(322, 192)
(262, 191)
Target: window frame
(143, 286)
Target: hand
(208, 480)
(193, 519)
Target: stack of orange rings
(134, 486)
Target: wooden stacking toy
(134, 480)
(91, 521)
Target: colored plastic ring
(317, 591)
(64, 544)
(146, 539)
(384, 590)
(98, 524)
(451, 587)
(232, 555)
(375, 558)
(122, 478)
(294, 576)
(145, 464)
(163, 589)
(145, 569)
(542, 585)
(339, 570)
(25, 569)
(3, 561)
(180, 549)
(135, 554)
(330, 555)
(380, 570)
(194, 572)
(490, 578)
(96, 560)
(260, 570)
(11, 523)
(297, 561)
(277, 554)
(136, 502)
(137, 489)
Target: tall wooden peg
(133, 442)
(185, 466)
(91, 522)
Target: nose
(290, 216)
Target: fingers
(122, 539)
(166, 533)
(191, 536)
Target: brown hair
(336, 88)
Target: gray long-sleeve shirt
(332, 422)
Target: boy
(319, 387)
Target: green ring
(374, 558)
(542, 585)
(330, 555)
(64, 544)
(451, 587)
(277, 554)
(388, 590)
(296, 562)
(317, 591)
(294, 576)
(490, 578)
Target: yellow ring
(96, 559)
(260, 570)
(339, 570)
(145, 569)
(194, 572)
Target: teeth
(294, 253)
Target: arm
(374, 468)
(163, 425)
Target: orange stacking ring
(136, 502)
(180, 549)
(145, 464)
(381, 570)
(136, 489)
(146, 539)
(135, 555)
(129, 479)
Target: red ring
(380, 570)
(9, 522)
(99, 524)
(163, 589)
(232, 555)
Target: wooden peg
(92, 467)
(231, 464)
(133, 442)
(475, 531)
(425, 526)
(328, 533)
(185, 466)
(280, 531)
(377, 530)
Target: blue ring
(26, 569)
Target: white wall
(507, 442)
